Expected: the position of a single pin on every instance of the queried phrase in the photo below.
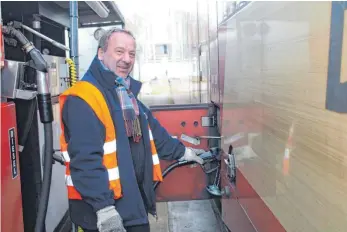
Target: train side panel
(285, 90)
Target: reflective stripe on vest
(157, 175)
(94, 98)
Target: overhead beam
(99, 8)
(116, 9)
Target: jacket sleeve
(168, 148)
(84, 134)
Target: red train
(277, 86)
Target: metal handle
(227, 139)
(231, 165)
(226, 191)
(53, 42)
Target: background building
(169, 35)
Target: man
(111, 143)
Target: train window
(336, 94)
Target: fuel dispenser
(10, 85)
(51, 75)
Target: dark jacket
(85, 136)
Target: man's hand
(109, 220)
(191, 154)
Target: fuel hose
(170, 168)
(206, 156)
(46, 117)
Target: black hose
(46, 117)
(170, 168)
(27, 126)
(47, 178)
(209, 155)
(38, 60)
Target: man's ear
(100, 54)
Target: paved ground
(185, 216)
(162, 225)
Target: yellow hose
(73, 73)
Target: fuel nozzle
(210, 154)
(44, 97)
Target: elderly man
(112, 143)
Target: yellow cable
(73, 73)
(72, 82)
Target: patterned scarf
(129, 107)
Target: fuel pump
(38, 63)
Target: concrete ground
(185, 216)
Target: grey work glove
(109, 220)
(191, 154)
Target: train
(277, 95)
(280, 80)
(275, 115)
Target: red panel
(247, 120)
(232, 213)
(253, 206)
(261, 216)
(187, 182)
(11, 198)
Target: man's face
(119, 56)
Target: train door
(195, 125)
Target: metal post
(74, 34)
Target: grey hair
(103, 41)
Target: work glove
(191, 154)
(109, 220)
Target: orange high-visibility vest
(91, 95)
